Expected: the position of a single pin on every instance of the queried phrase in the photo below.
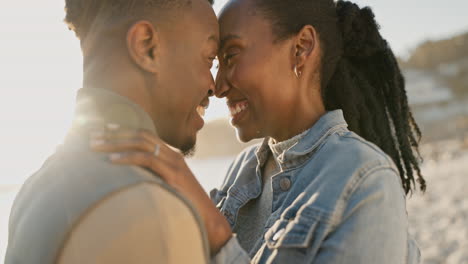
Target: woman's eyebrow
(226, 38)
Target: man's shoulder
(72, 182)
(78, 177)
(144, 219)
(83, 171)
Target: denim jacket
(336, 199)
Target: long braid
(383, 113)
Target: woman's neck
(303, 117)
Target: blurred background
(40, 72)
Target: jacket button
(285, 184)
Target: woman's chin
(245, 135)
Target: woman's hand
(143, 148)
(138, 147)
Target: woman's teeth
(201, 110)
(237, 108)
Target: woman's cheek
(244, 70)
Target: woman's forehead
(237, 9)
(238, 15)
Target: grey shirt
(253, 216)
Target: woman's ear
(142, 44)
(305, 45)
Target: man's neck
(117, 77)
(95, 105)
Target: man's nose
(212, 89)
(221, 85)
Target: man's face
(185, 81)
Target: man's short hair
(81, 15)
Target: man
(146, 66)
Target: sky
(40, 69)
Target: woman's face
(255, 73)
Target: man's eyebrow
(225, 39)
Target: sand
(439, 218)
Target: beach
(439, 219)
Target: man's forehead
(197, 23)
(202, 13)
(209, 23)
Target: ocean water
(210, 173)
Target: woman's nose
(221, 85)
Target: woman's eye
(227, 58)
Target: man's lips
(201, 110)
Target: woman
(328, 184)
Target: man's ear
(142, 44)
(306, 41)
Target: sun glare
(41, 71)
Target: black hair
(359, 75)
(82, 14)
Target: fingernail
(115, 156)
(113, 126)
(97, 142)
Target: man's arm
(144, 223)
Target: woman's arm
(373, 226)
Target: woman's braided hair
(359, 75)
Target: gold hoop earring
(298, 73)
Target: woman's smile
(238, 110)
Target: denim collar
(302, 150)
(277, 148)
(249, 183)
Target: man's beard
(188, 149)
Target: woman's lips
(238, 107)
(237, 110)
